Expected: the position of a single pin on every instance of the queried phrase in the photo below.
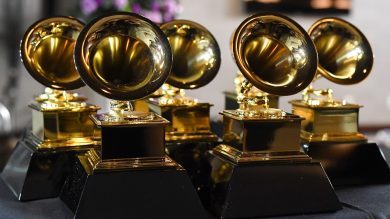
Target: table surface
(370, 201)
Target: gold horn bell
(274, 55)
(344, 53)
(47, 52)
(346, 58)
(196, 54)
(122, 57)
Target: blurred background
(221, 17)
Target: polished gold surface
(172, 96)
(47, 52)
(56, 129)
(281, 134)
(196, 61)
(231, 97)
(328, 123)
(53, 95)
(123, 56)
(345, 57)
(241, 157)
(196, 54)
(60, 119)
(274, 54)
(187, 123)
(92, 163)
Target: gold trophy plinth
(188, 123)
(61, 126)
(125, 56)
(196, 61)
(260, 169)
(330, 132)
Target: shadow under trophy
(260, 169)
(330, 132)
(61, 126)
(125, 56)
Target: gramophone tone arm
(309, 91)
(246, 101)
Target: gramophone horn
(47, 52)
(274, 53)
(123, 56)
(345, 56)
(196, 54)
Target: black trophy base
(138, 193)
(193, 156)
(355, 163)
(36, 174)
(269, 189)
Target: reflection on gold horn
(345, 57)
(275, 56)
(123, 57)
(47, 52)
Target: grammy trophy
(330, 131)
(61, 126)
(124, 56)
(260, 169)
(196, 61)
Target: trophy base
(131, 192)
(33, 173)
(193, 157)
(269, 188)
(351, 163)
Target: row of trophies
(165, 161)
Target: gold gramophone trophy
(196, 61)
(61, 126)
(330, 132)
(125, 56)
(260, 169)
(231, 97)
